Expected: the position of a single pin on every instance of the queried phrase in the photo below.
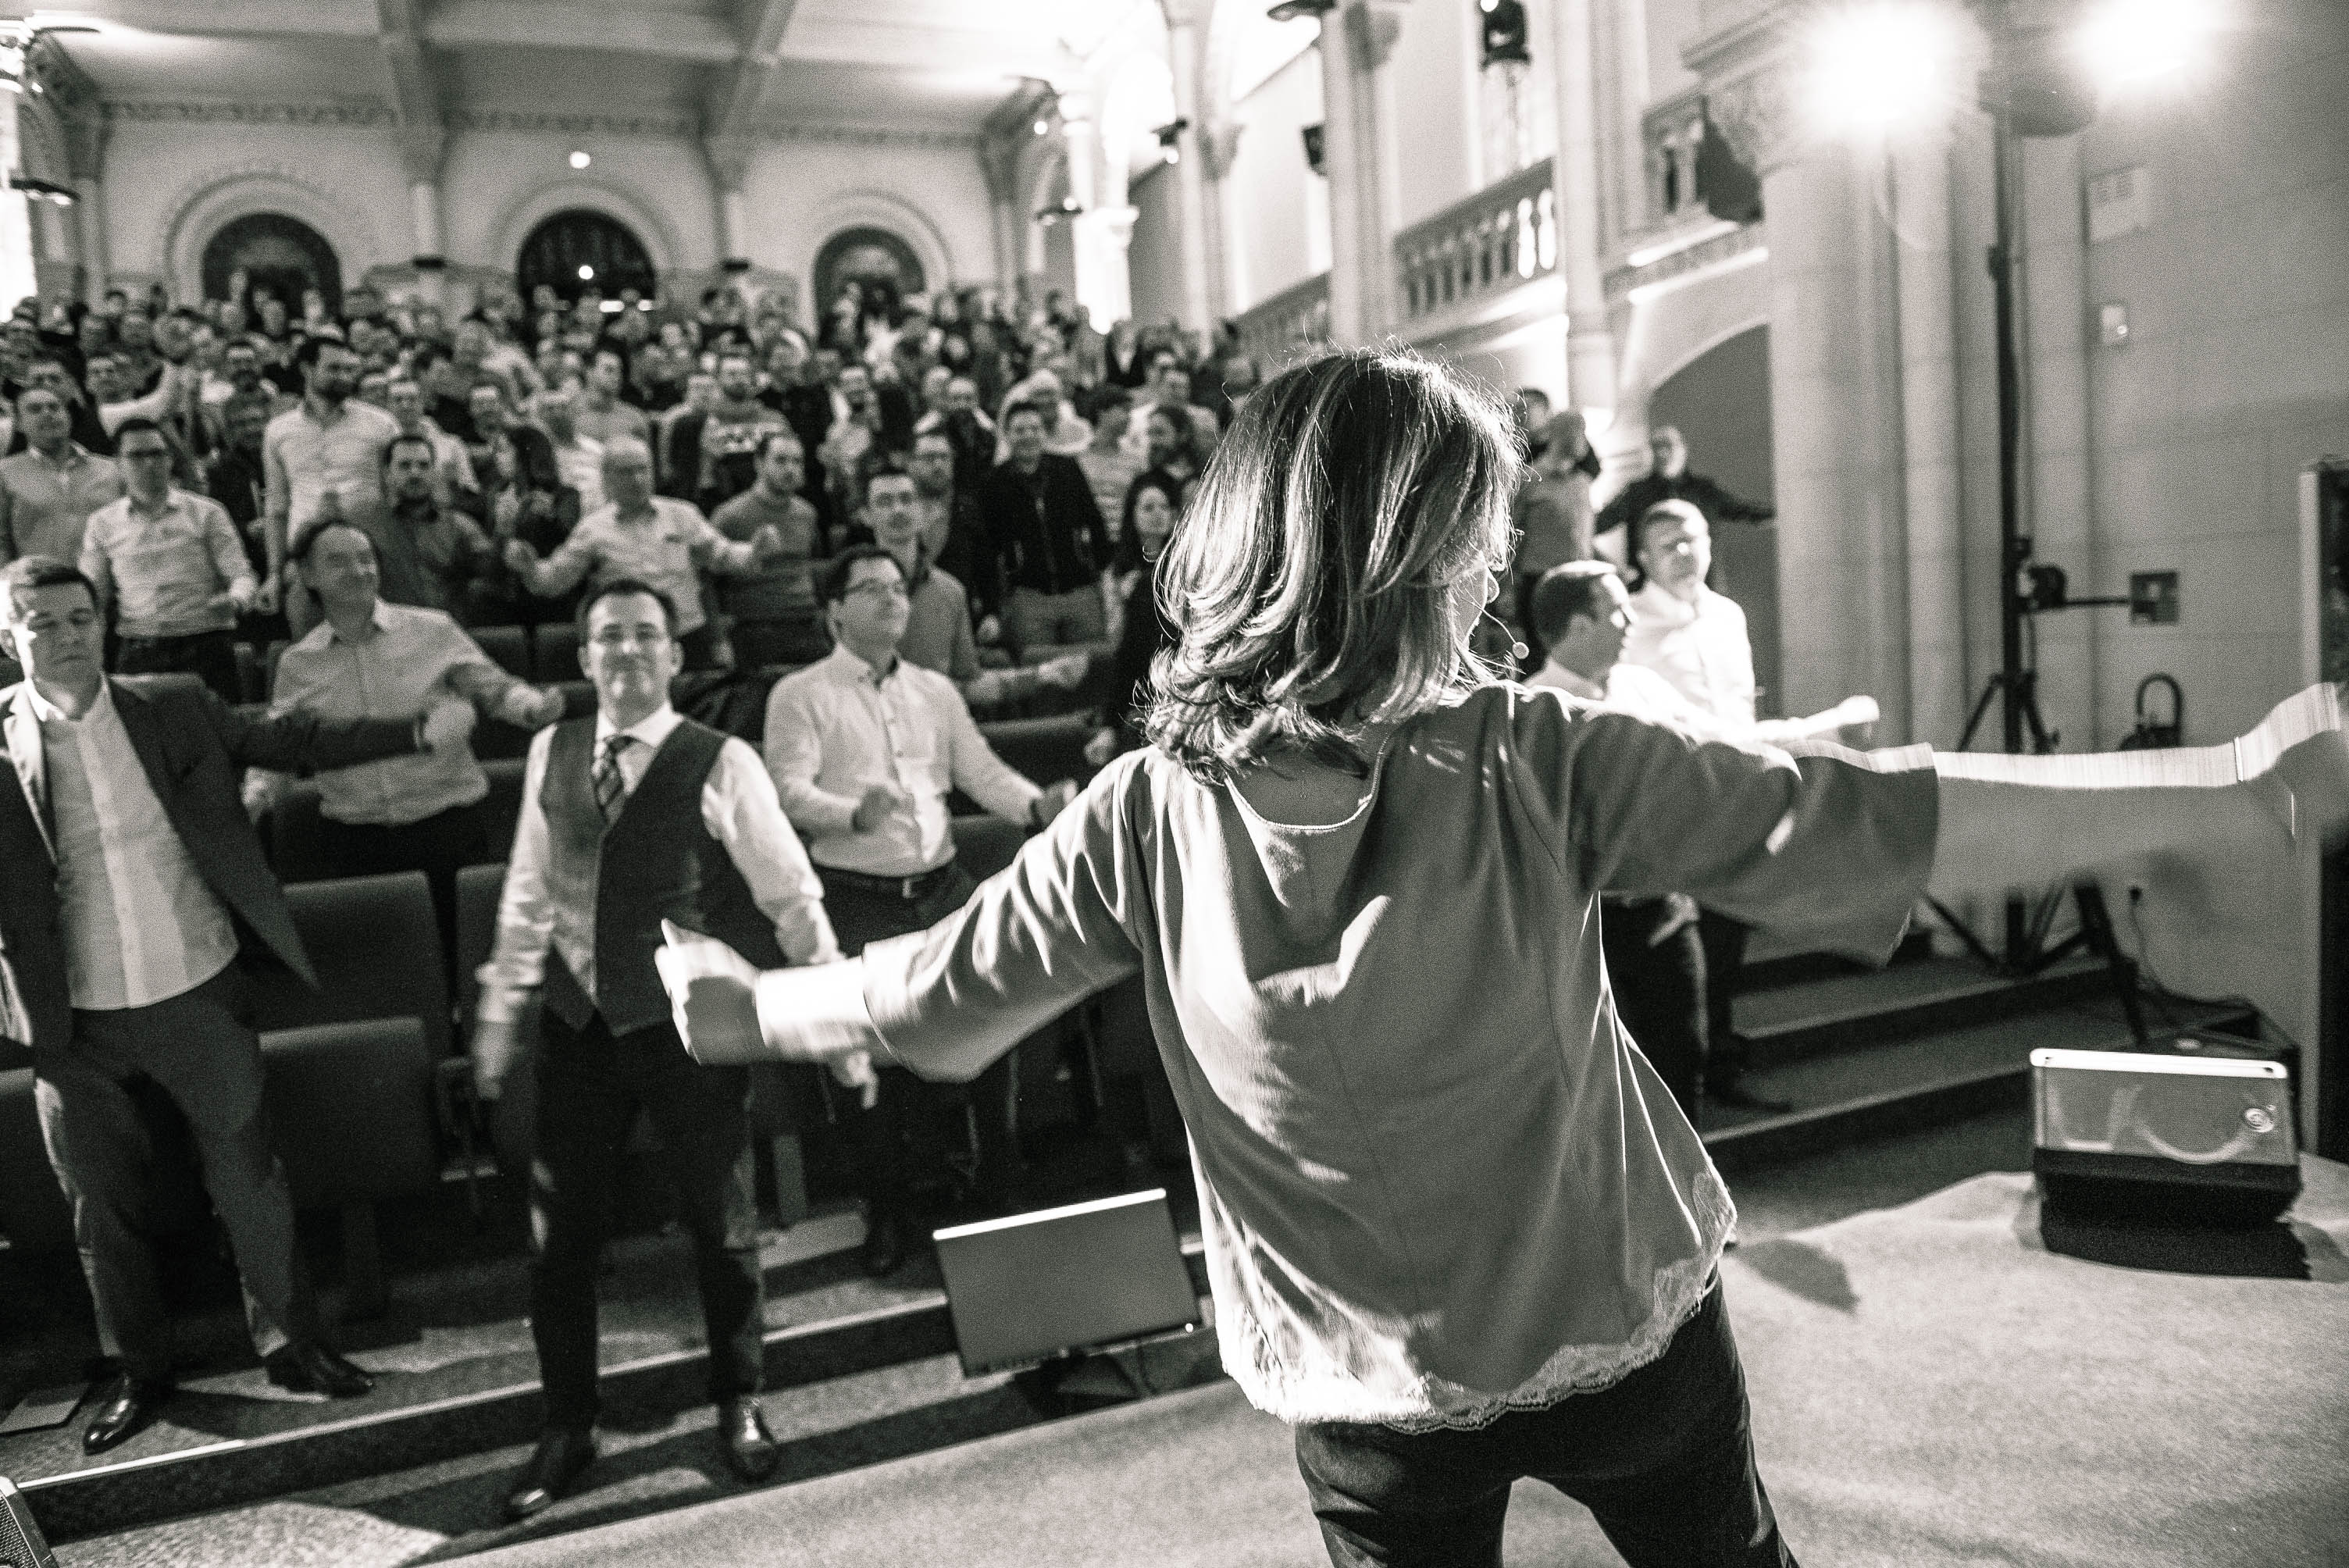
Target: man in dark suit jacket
(1049, 550)
(124, 962)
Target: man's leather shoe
(124, 1407)
(1736, 1094)
(750, 1447)
(306, 1366)
(562, 1453)
(885, 1243)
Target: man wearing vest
(628, 819)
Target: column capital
(729, 158)
(1372, 28)
(1751, 92)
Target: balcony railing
(1502, 236)
(1670, 134)
(1274, 331)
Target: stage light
(586, 273)
(580, 160)
(1881, 64)
(1043, 128)
(2125, 42)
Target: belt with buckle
(918, 886)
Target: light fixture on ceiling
(1043, 128)
(586, 274)
(579, 159)
(1170, 139)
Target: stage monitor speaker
(2172, 1140)
(1060, 1282)
(21, 1543)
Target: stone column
(1227, 279)
(1835, 384)
(18, 278)
(1186, 34)
(2052, 302)
(422, 150)
(729, 166)
(999, 165)
(85, 138)
(1923, 206)
(1356, 40)
(1103, 223)
(1590, 346)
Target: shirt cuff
(816, 1013)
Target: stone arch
(211, 204)
(869, 209)
(652, 230)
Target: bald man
(651, 538)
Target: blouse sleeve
(1812, 841)
(1050, 929)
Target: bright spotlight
(1879, 63)
(1043, 128)
(586, 273)
(2123, 42)
(580, 160)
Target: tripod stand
(2027, 951)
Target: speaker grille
(21, 1542)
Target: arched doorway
(880, 262)
(1720, 401)
(579, 249)
(276, 254)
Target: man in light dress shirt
(654, 539)
(632, 818)
(48, 489)
(1696, 640)
(320, 459)
(172, 567)
(577, 458)
(134, 878)
(863, 747)
(371, 659)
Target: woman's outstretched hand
(713, 992)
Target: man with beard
(731, 434)
(602, 415)
(426, 552)
(319, 458)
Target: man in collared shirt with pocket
(172, 567)
(864, 746)
(48, 489)
(368, 659)
(652, 539)
(630, 818)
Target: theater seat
(1046, 750)
(478, 889)
(554, 654)
(502, 803)
(290, 832)
(376, 951)
(508, 645)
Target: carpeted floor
(1932, 1386)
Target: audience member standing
(601, 413)
(630, 818)
(729, 436)
(863, 749)
(371, 658)
(638, 535)
(1552, 514)
(170, 568)
(134, 877)
(1152, 506)
(771, 612)
(1109, 468)
(1669, 479)
(1170, 389)
(578, 460)
(1696, 640)
(453, 466)
(427, 553)
(48, 489)
(321, 457)
(952, 530)
(1049, 550)
(937, 633)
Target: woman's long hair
(1312, 575)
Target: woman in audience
(1152, 504)
(1457, 1232)
(1174, 457)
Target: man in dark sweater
(1668, 480)
(1050, 548)
(631, 817)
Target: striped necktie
(611, 785)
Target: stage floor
(1932, 1386)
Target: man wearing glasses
(631, 817)
(864, 746)
(172, 567)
